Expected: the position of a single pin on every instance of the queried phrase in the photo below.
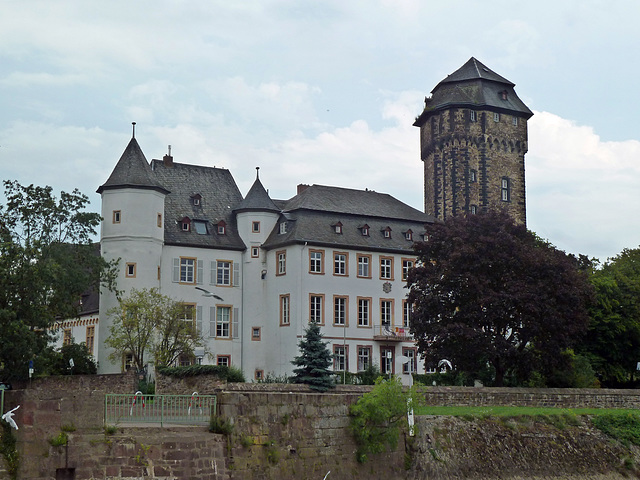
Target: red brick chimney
(302, 187)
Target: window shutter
(176, 270)
(212, 321)
(213, 273)
(199, 319)
(235, 328)
(236, 274)
(200, 272)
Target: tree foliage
(56, 361)
(47, 260)
(612, 344)
(314, 361)
(489, 292)
(379, 415)
(148, 322)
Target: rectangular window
(514, 121)
(282, 262)
(223, 360)
(255, 334)
(386, 268)
(189, 314)
(340, 308)
(406, 313)
(364, 358)
(223, 272)
(340, 358)
(316, 261)
(255, 227)
(67, 339)
(285, 310)
(407, 264)
(255, 252)
(473, 209)
(473, 176)
(496, 117)
(472, 115)
(117, 216)
(282, 228)
(223, 322)
(340, 262)
(364, 263)
(412, 365)
(364, 312)
(130, 271)
(200, 227)
(160, 220)
(316, 307)
(187, 270)
(505, 190)
(387, 364)
(386, 313)
(91, 335)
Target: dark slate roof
(132, 171)
(474, 86)
(311, 217)
(219, 195)
(257, 199)
(355, 202)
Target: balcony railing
(392, 333)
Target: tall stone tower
(473, 138)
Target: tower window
(514, 121)
(255, 227)
(472, 116)
(473, 176)
(474, 209)
(496, 117)
(282, 228)
(130, 270)
(116, 216)
(505, 189)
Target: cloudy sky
(325, 92)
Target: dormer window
(425, 237)
(408, 235)
(504, 94)
(365, 230)
(283, 228)
(337, 228)
(386, 233)
(196, 199)
(222, 228)
(185, 224)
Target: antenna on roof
(134, 129)
(257, 173)
(169, 150)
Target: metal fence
(159, 409)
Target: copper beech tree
(488, 293)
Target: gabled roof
(474, 86)
(311, 217)
(132, 171)
(365, 203)
(219, 195)
(257, 199)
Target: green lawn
(515, 411)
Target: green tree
(314, 361)
(379, 415)
(47, 260)
(148, 322)
(489, 292)
(56, 361)
(612, 344)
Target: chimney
(301, 188)
(167, 160)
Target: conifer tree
(314, 361)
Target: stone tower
(473, 138)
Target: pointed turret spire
(257, 198)
(132, 171)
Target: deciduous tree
(148, 322)
(47, 260)
(489, 292)
(612, 344)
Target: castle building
(335, 256)
(473, 138)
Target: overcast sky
(325, 92)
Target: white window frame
(364, 357)
(340, 306)
(364, 312)
(223, 272)
(223, 321)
